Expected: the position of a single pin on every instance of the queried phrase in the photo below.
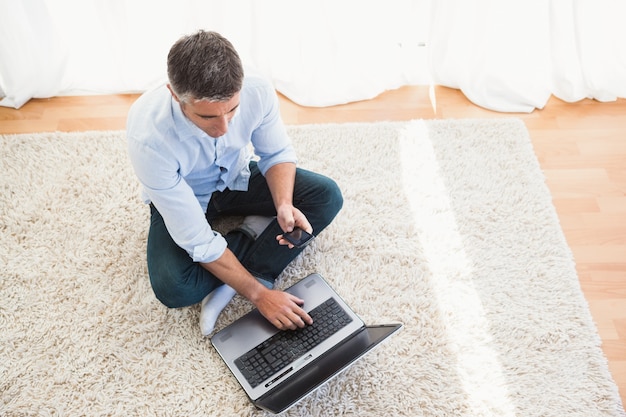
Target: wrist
(285, 206)
(257, 292)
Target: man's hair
(204, 66)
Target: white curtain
(318, 53)
(503, 55)
(512, 55)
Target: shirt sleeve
(175, 200)
(270, 140)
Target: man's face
(211, 117)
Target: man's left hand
(289, 218)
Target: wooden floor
(581, 148)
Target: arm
(277, 162)
(280, 308)
(280, 179)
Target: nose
(221, 126)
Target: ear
(169, 87)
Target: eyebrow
(210, 116)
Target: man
(189, 144)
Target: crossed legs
(177, 281)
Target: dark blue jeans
(178, 281)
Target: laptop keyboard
(284, 347)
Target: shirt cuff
(211, 251)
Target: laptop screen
(324, 368)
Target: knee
(176, 288)
(165, 290)
(176, 280)
(328, 201)
(334, 197)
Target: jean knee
(328, 202)
(176, 289)
(334, 197)
(165, 291)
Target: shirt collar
(184, 127)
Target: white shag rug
(447, 227)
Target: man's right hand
(282, 309)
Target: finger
(286, 222)
(303, 316)
(302, 222)
(306, 318)
(284, 242)
(299, 301)
(289, 320)
(304, 225)
(295, 321)
(279, 324)
(295, 318)
(288, 323)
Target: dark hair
(204, 66)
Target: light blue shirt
(180, 166)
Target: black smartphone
(298, 237)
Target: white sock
(257, 223)
(212, 306)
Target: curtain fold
(328, 52)
(33, 56)
(505, 56)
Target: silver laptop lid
(252, 329)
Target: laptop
(275, 376)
